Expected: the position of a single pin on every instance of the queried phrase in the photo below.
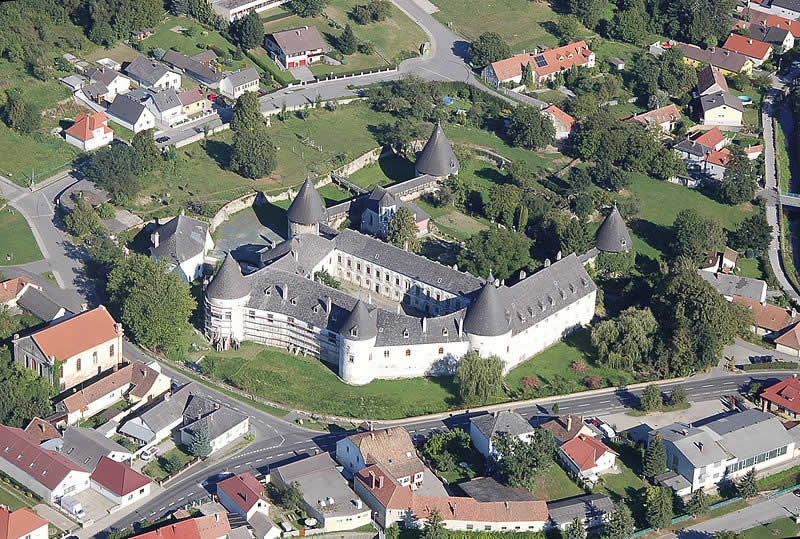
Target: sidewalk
(55, 517)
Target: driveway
(769, 510)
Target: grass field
(784, 172)
(605, 49)
(555, 484)
(16, 241)
(24, 155)
(749, 267)
(154, 469)
(391, 169)
(774, 530)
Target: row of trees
(252, 154)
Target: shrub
(579, 366)
(592, 382)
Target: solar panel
(540, 61)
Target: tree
(658, 99)
(699, 503)
(434, 527)
(248, 32)
(529, 128)
(402, 230)
(625, 342)
(579, 180)
(747, 486)
(199, 445)
(527, 75)
(555, 408)
(576, 238)
(20, 115)
(629, 25)
(651, 398)
(171, 463)
(147, 153)
(115, 168)
(504, 199)
(620, 524)
(605, 174)
(575, 530)
(347, 42)
(522, 462)
(739, 181)
(500, 250)
(152, 303)
(25, 394)
(253, 154)
(655, 458)
(567, 27)
(694, 235)
(658, 504)
(478, 379)
(82, 221)
(392, 532)
(678, 396)
(726, 534)
(376, 10)
(308, 8)
(291, 497)
(489, 47)
(752, 233)
(247, 112)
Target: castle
(425, 316)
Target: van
(72, 506)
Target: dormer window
(268, 291)
(405, 334)
(354, 331)
(444, 332)
(293, 301)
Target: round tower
(486, 325)
(613, 236)
(307, 211)
(358, 333)
(225, 299)
(437, 157)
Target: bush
(106, 211)
(772, 366)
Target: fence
(684, 517)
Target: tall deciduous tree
(253, 154)
(576, 238)
(503, 202)
(147, 153)
(489, 47)
(478, 379)
(82, 221)
(694, 235)
(529, 128)
(752, 233)
(739, 181)
(25, 395)
(625, 342)
(434, 526)
(655, 458)
(402, 230)
(620, 524)
(248, 32)
(651, 399)
(567, 27)
(575, 530)
(308, 8)
(247, 112)
(522, 462)
(501, 251)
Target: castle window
(367, 282)
(387, 277)
(293, 301)
(377, 274)
(405, 334)
(354, 331)
(78, 364)
(358, 266)
(397, 281)
(408, 352)
(349, 263)
(385, 353)
(438, 296)
(369, 269)
(94, 357)
(339, 258)
(290, 319)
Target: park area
(17, 244)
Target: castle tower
(226, 296)
(307, 211)
(485, 323)
(613, 236)
(359, 333)
(437, 157)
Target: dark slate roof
(167, 99)
(565, 511)
(489, 489)
(103, 75)
(299, 253)
(487, 315)
(307, 207)
(437, 157)
(734, 285)
(712, 101)
(691, 147)
(295, 40)
(380, 198)
(243, 77)
(180, 239)
(360, 325)
(216, 423)
(146, 70)
(504, 422)
(160, 415)
(768, 34)
(228, 283)
(85, 447)
(791, 5)
(126, 108)
(39, 305)
(613, 236)
(708, 77)
(94, 90)
(192, 65)
(197, 407)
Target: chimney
(546, 262)
(5, 287)
(216, 517)
(371, 435)
(749, 41)
(569, 422)
(455, 267)
(380, 482)
(84, 307)
(685, 432)
(424, 324)
(558, 256)
(372, 480)
(154, 238)
(285, 292)
(328, 304)
(794, 312)
(522, 274)
(316, 451)
(183, 211)
(398, 308)
(700, 446)
(494, 414)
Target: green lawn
(605, 49)
(13, 498)
(555, 484)
(121, 132)
(41, 155)
(154, 469)
(781, 480)
(778, 529)
(389, 170)
(749, 267)
(784, 172)
(17, 244)
(454, 222)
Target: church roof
(486, 315)
(437, 157)
(307, 207)
(228, 283)
(613, 236)
(360, 325)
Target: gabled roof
(613, 236)
(786, 24)
(718, 99)
(228, 283)
(126, 108)
(180, 239)
(137, 374)
(244, 489)
(44, 466)
(733, 285)
(392, 449)
(104, 74)
(118, 478)
(785, 393)
(437, 157)
(205, 527)
(752, 48)
(584, 451)
(85, 447)
(718, 57)
(360, 324)
(558, 427)
(166, 99)
(503, 422)
(666, 114)
(146, 70)
(469, 509)
(207, 55)
(243, 76)
(39, 305)
(71, 336)
(564, 511)
(307, 207)
(790, 338)
(84, 126)
(487, 315)
(190, 96)
(41, 430)
(768, 316)
(560, 58)
(708, 77)
(710, 138)
(388, 492)
(95, 90)
(295, 40)
(12, 288)
(19, 524)
(768, 34)
(719, 157)
(567, 120)
(508, 68)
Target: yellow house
(193, 102)
(721, 108)
(728, 62)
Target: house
(789, 341)
(713, 139)
(166, 106)
(616, 63)
(137, 383)
(22, 524)
(144, 33)
(697, 151)
(715, 163)
(724, 261)
(89, 132)
(710, 81)
(327, 496)
(206, 57)
(782, 397)
(109, 63)
(754, 152)
(96, 92)
(119, 482)
(41, 431)
(484, 429)
(243, 494)
(489, 489)
(197, 69)
(48, 473)
(781, 39)
(728, 62)
(392, 448)
(792, 26)
(379, 208)
(73, 82)
(239, 82)
(184, 243)
(12, 290)
(593, 510)
(221, 423)
(86, 447)
(545, 65)
(151, 74)
(231, 10)
(213, 526)
(732, 285)
(665, 118)
(723, 449)
(296, 47)
(131, 114)
(193, 102)
(565, 428)
(562, 121)
(587, 458)
(789, 9)
(114, 82)
(41, 306)
(721, 108)
(757, 51)
(73, 349)
(157, 421)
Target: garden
(17, 243)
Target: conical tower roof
(486, 315)
(360, 325)
(229, 282)
(437, 157)
(613, 236)
(307, 207)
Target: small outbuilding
(616, 63)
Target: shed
(617, 63)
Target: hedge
(283, 77)
(772, 366)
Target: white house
(166, 106)
(131, 114)
(587, 458)
(562, 121)
(484, 430)
(392, 448)
(231, 10)
(296, 47)
(22, 524)
(184, 243)
(119, 482)
(222, 424)
(243, 494)
(89, 132)
(239, 82)
(114, 82)
(151, 74)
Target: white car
(149, 454)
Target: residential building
(214, 526)
(73, 349)
(22, 524)
(12, 290)
(781, 39)
(222, 424)
(567, 427)
(770, 321)
(593, 510)
(131, 114)
(243, 494)
(89, 132)
(562, 121)
(326, 494)
(195, 68)
(727, 61)
(666, 118)
(239, 82)
(484, 430)
(392, 448)
(616, 63)
(151, 74)
(193, 102)
(721, 108)
(48, 473)
(119, 482)
(546, 65)
(184, 243)
(732, 285)
(757, 51)
(206, 57)
(96, 92)
(789, 9)
(156, 422)
(41, 431)
(715, 163)
(166, 106)
(710, 81)
(724, 448)
(587, 458)
(754, 152)
(87, 447)
(789, 341)
(296, 47)
(114, 82)
(231, 10)
(34, 301)
(777, 21)
(489, 489)
(713, 139)
(379, 208)
(723, 261)
(782, 397)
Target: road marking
(259, 460)
(709, 385)
(162, 508)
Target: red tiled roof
(787, 24)
(790, 338)
(758, 148)
(84, 125)
(70, 337)
(45, 466)
(137, 374)
(41, 431)
(243, 489)
(191, 95)
(388, 492)
(564, 57)
(719, 157)
(20, 523)
(785, 394)
(12, 288)
(205, 527)
(584, 451)
(710, 138)
(660, 116)
(562, 116)
(752, 48)
(470, 509)
(509, 68)
(117, 477)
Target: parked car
(72, 506)
(149, 454)
(162, 139)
